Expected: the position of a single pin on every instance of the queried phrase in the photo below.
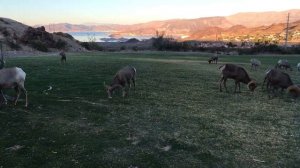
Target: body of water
(102, 37)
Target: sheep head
(108, 90)
(252, 85)
(294, 90)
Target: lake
(102, 37)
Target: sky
(33, 12)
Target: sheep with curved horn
(239, 74)
(123, 76)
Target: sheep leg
(124, 93)
(262, 87)
(220, 84)
(133, 81)
(129, 84)
(237, 84)
(269, 91)
(25, 93)
(268, 85)
(4, 98)
(224, 83)
(17, 89)
(26, 98)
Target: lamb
(237, 73)
(213, 59)
(123, 76)
(294, 90)
(63, 58)
(255, 63)
(283, 64)
(298, 66)
(277, 79)
(13, 78)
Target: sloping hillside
(256, 19)
(274, 32)
(17, 36)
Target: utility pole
(287, 30)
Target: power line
(287, 29)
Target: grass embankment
(176, 116)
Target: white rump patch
(267, 71)
(222, 68)
(134, 69)
(21, 75)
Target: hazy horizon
(36, 12)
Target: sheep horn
(253, 84)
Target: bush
(13, 45)
(123, 48)
(91, 46)
(5, 32)
(64, 35)
(135, 48)
(60, 44)
(38, 45)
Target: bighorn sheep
(13, 78)
(237, 73)
(277, 79)
(265, 78)
(298, 66)
(283, 64)
(63, 57)
(213, 59)
(123, 76)
(294, 90)
(255, 63)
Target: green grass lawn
(176, 116)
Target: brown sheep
(277, 80)
(213, 59)
(237, 73)
(63, 58)
(123, 77)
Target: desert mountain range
(208, 28)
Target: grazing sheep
(298, 67)
(276, 79)
(283, 64)
(63, 58)
(265, 78)
(237, 73)
(213, 59)
(123, 76)
(294, 90)
(255, 63)
(13, 78)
